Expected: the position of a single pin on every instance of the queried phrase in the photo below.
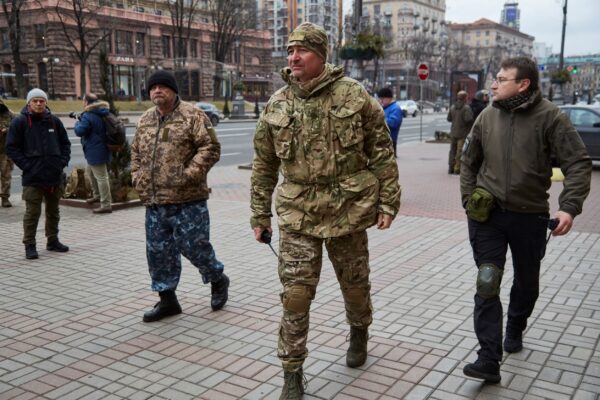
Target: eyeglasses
(501, 80)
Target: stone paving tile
(83, 337)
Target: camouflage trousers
(34, 197)
(455, 154)
(300, 261)
(174, 230)
(6, 168)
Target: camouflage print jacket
(333, 148)
(5, 117)
(171, 156)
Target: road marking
(232, 134)
(229, 154)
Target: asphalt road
(236, 141)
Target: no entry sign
(423, 71)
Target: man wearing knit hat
(173, 149)
(329, 140)
(37, 142)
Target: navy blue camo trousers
(173, 230)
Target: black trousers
(525, 234)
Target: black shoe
(513, 342)
(55, 245)
(450, 170)
(486, 370)
(166, 307)
(6, 202)
(30, 252)
(219, 293)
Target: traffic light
(574, 71)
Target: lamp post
(52, 61)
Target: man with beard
(173, 149)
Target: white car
(408, 107)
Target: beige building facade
(138, 38)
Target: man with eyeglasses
(506, 172)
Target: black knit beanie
(164, 78)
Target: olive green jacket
(5, 117)
(461, 117)
(508, 153)
(333, 148)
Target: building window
(140, 44)
(124, 42)
(107, 43)
(40, 35)
(166, 46)
(194, 48)
(377, 9)
(5, 39)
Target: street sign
(423, 71)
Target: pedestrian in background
(6, 164)
(461, 117)
(327, 137)
(505, 178)
(173, 149)
(92, 131)
(393, 114)
(38, 144)
(479, 102)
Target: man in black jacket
(37, 142)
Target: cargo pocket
(361, 193)
(348, 128)
(289, 205)
(283, 136)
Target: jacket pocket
(361, 193)
(283, 136)
(289, 205)
(348, 127)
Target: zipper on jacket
(154, 161)
(511, 132)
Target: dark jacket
(39, 145)
(508, 153)
(477, 106)
(461, 117)
(393, 119)
(92, 131)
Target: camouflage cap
(311, 36)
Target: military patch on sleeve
(212, 133)
(466, 145)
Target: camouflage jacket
(333, 148)
(171, 156)
(5, 117)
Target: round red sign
(423, 71)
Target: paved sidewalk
(71, 328)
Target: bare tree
(231, 20)
(183, 13)
(82, 30)
(12, 14)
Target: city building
(511, 15)
(489, 43)
(584, 72)
(280, 17)
(138, 37)
(414, 32)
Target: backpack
(115, 132)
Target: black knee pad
(489, 279)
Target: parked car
(409, 107)
(586, 119)
(211, 111)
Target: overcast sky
(539, 18)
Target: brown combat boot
(357, 351)
(6, 202)
(293, 385)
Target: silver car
(408, 107)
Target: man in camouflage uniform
(6, 165)
(173, 149)
(461, 117)
(329, 140)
